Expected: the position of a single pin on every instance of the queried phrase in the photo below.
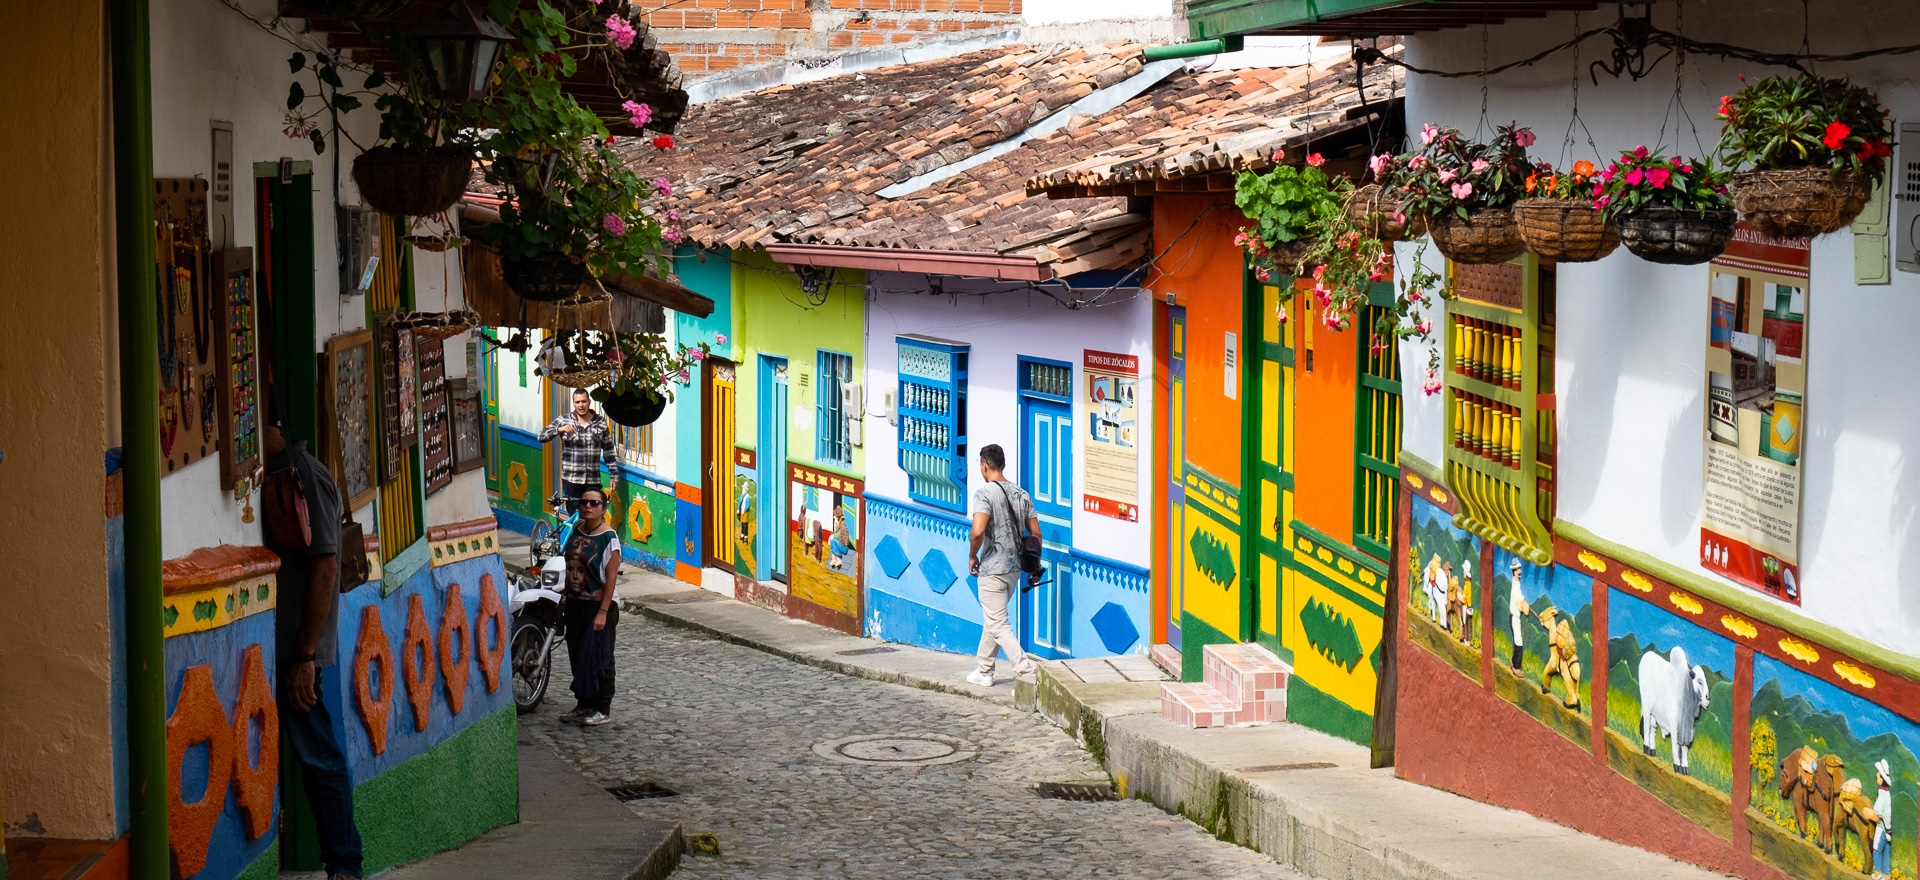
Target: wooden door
(717, 434)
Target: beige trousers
(996, 633)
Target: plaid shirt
(582, 451)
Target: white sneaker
(596, 718)
(983, 679)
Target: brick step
(1242, 684)
(1246, 671)
(1167, 657)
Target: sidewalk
(1307, 800)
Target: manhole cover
(639, 791)
(862, 652)
(1077, 791)
(897, 749)
(1307, 765)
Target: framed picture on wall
(237, 362)
(469, 444)
(399, 429)
(436, 452)
(347, 404)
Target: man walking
(1516, 612)
(306, 633)
(593, 576)
(586, 441)
(999, 509)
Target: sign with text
(1756, 395)
(1110, 483)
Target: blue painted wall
(221, 650)
(711, 276)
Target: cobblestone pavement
(733, 730)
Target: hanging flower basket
(635, 409)
(1800, 202)
(1484, 237)
(350, 10)
(440, 325)
(1373, 209)
(413, 181)
(583, 376)
(549, 277)
(1565, 230)
(586, 297)
(1676, 236)
(1286, 256)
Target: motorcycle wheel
(536, 545)
(531, 672)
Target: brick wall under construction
(708, 36)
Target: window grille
(832, 444)
(933, 420)
(1377, 432)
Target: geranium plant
(1642, 178)
(1781, 123)
(645, 364)
(1347, 263)
(1288, 205)
(1450, 174)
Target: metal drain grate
(1077, 791)
(862, 652)
(1308, 765)
(639, 791)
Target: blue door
(1046, 472)
(772, 471)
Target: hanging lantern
(461, 46)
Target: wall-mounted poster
(469, 443)
(347, 402)
(398, 383)
(189, 318)
(1110, 484)
(238, 362)
(1756, 387)
(436, 450)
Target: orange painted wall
(1203, 272)
(1324, 401)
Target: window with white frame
(635, 445)
(832, 443)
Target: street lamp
(461, 46)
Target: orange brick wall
(707, 36)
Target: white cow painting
(1673, 694)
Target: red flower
(663, 142)
(1316, 160)
(1836, 135)
(1727, 107)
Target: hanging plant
(1813, 146)
(423, 159)
(1558, 220)
(1466, 190)
(1381, 207)
(1286, 204)
(1669, 210)
(645, 369)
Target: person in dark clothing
(590, 610)
(306, 634)
(586, 442)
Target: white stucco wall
(1001, 328)
(1631, 333)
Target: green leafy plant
(1286, 205)
(645, 364)
(1642, 178)
(1450, 174)
(1781, 123)
(329, 91)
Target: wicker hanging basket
(1801, 202)
(583, 376)
(635, 409)
(440, 325)
(549, 277)
(1565, 230)
(586, 296)
(1486, 236)
(1676, 237)
(1286, 256)
(1373, 208)
(412, 181)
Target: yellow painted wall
(56, 749)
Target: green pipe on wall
(131, 58)
(1194, 50)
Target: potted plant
(1286, 205)
(1813, 148)
(1558, 220)
(1669, 210)
(1466, 190)
(644, 372)
(1380, 208)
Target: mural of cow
(1672, 696)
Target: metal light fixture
(461, 46)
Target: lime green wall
(772, 315)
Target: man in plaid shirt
(586, 440)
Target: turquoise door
(772, 471)
(1046, 472)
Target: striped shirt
(582, 451)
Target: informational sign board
(1756, 375)
(1110, 482)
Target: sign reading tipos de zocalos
(1111, 471)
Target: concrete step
(1167, 657)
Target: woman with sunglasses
(590, 612)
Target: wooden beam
(666, 293)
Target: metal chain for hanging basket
(583, 376)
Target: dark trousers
(572, 491)
(329, 791)
(1516, 658)
(578, 615)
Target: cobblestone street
(734, 730)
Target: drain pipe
(1217, 46)
(131, 59)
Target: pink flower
(696, 354)
(620, 33)
(663, 186)
(1658, 177)
(1416, 161)
(1399, 217)
(637, 113)
(1431, 385)
(683, 377)
(1687, 168)
(1635, 176)
(1602, 202)
(1462, 190)
(1240, 240)
(1446, 174)
(1524, 137)
(617, 356)
(1316, 160)
(1598, 188)
(673, 215)
(1479, 165)
(1425, 327)
(1324, 296)
(1415, 296)
(1263, 275)
(1332, 318)
(1640, 152)
(1607, 175)
(1281, 314)
(1379, 164)
(1319, 272)
(672, 235)
(614, 224)
(719, 339)
(1426, 134)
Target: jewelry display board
(346, 377)
(230, 285)
(436, 452)
(188, 313)
(469, 444)
(398, 401)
